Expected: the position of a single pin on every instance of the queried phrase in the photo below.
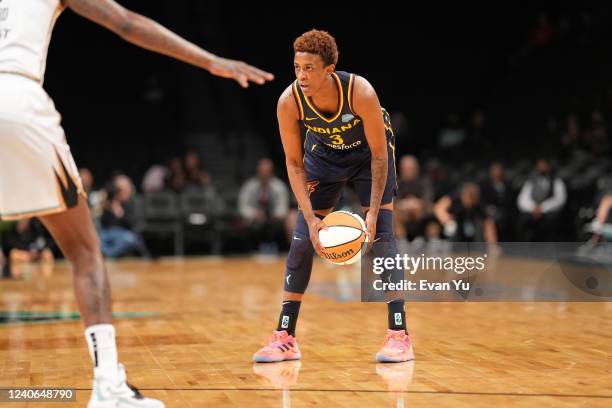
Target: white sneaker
(106, 394)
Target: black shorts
(329, 171)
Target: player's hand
(370, 223)
(315, 224)
(494, 250)
(537, 212)
(239, 71)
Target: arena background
(188, 326)
(423, 64)
(125, 109)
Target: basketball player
(348, 138)
(38, 176)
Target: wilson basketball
(344, 239)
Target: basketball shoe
(281, 346)
(106, 394)
(397, 348)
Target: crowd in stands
(485, 208)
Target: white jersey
(38, 175)
(25, 32)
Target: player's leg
(282, 345)
(38, 177)
(397, 345)
(297, 272)
(74, 233)
(72, 229)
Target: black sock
(288, 316)
(397, 316)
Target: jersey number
(336, 139)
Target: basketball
(344, 239)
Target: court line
(501, 394)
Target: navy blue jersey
(336, 152)
(342, 132)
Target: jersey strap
(307, 109)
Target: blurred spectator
(409, 182)
(540, 202)
(437, 183)
(479, 139)
(570, 136)
(4, 265)
(584, 27)
(464, 219)
(176, 179)
(117, 234)
(399, 122)
(86, 179)
(27, 242)
(95, 199)
(452, 137)
(198, 181)
(497, 200)
(596, 137)
(410, 204)
(154, 179)
(195, 176)
(541, 33)
(263, 204)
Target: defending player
(38, 176)
(348, 138)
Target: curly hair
(318, 42)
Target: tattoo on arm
(379, 180)
(106, 13)
(366, 105)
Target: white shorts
(38, 175)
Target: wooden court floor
(201, 319)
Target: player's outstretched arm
(146, 33)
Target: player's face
(311, 72)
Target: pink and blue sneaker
(396, 349)
(281, 347)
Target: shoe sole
(381, 358)
(271, 360)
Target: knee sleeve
(299, 259)
(385, 246)
(384, 226)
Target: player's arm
(441, 210)
(287, 114)
(367, 106)
(489, 231)
(146, 33)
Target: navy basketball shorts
(328, 172)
